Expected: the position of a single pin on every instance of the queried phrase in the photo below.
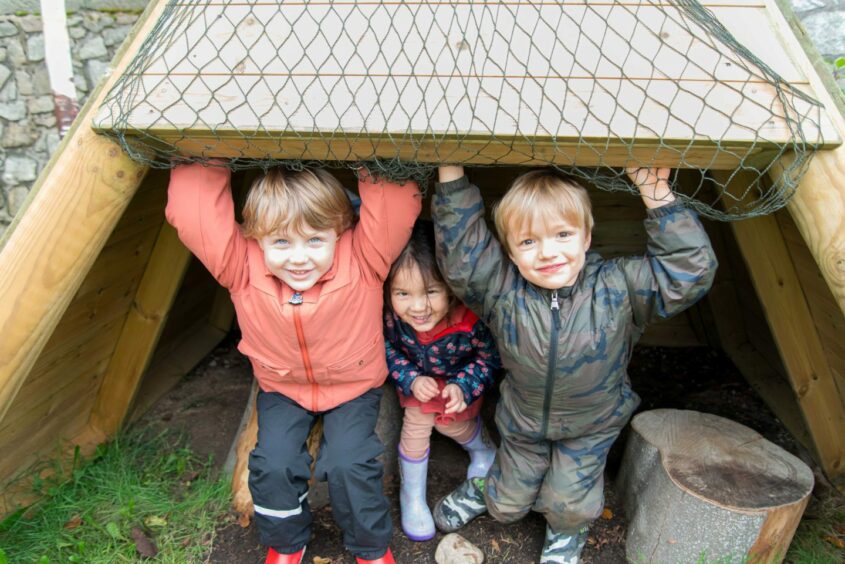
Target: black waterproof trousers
(279, 469)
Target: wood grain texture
(72, 209)
(505, 82)
(777, 285)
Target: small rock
(40, 105)
(15, 54)
(31, 24)
(116, 35)
(18, 134)
(17, 197)
(77, 32)
(7, 29)
(455, 549)
(19, 169)
(13, 111)
(35, 47)
(93, 48)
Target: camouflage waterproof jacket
(566, 351)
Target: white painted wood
(57, 48)
(573, 72)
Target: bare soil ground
(208, 405)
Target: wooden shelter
(102, 308)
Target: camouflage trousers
(562, 479)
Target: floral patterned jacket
(464, 354)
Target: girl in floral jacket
(441, 358)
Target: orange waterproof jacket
(329, 349)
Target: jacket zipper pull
(555, 304)
(295, 299)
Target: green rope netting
(584, 87)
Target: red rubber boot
(386, 559)
(274, 557)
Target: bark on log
(694, 484)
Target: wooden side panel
(787, 312)
(55, 402)
(827, 317)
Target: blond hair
(542, 197)
(282, 201)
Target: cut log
(696, 485)
(387, 428)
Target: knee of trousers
(505, 512)
(277, 472)
(564, 517)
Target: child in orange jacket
(306, 281)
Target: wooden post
(66, 220)
(818, 207)
(140, 333)
(776, 283)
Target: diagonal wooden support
(140, 333)
(67, 219)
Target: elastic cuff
(452, 185)
(663, 211)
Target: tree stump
(694, 484)
(387, 428)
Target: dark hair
(419, 251)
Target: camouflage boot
(561, 548)
(461, 506)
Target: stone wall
(28, 133)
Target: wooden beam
(140, 333)
(818, 206)
(773, 274)
(68, 217)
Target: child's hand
(454, 397)
(449, 172)
(424, 388)
(653, 184)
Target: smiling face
(420, 305)
(549, 255)
(299, 259)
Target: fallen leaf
(495, 546)
(591, 541)
(143, 544)
(838, 543)
(74, 522)
(155, 521)
(321, 560)
(607, 514)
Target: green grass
(149, 483)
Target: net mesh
(587, 88)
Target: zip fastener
(303, 349)
(550, 376)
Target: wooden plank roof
(583, 83)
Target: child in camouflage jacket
(566, 322)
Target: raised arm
(200, 207)
(679, 265)
(387, 215)
(470, 258)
